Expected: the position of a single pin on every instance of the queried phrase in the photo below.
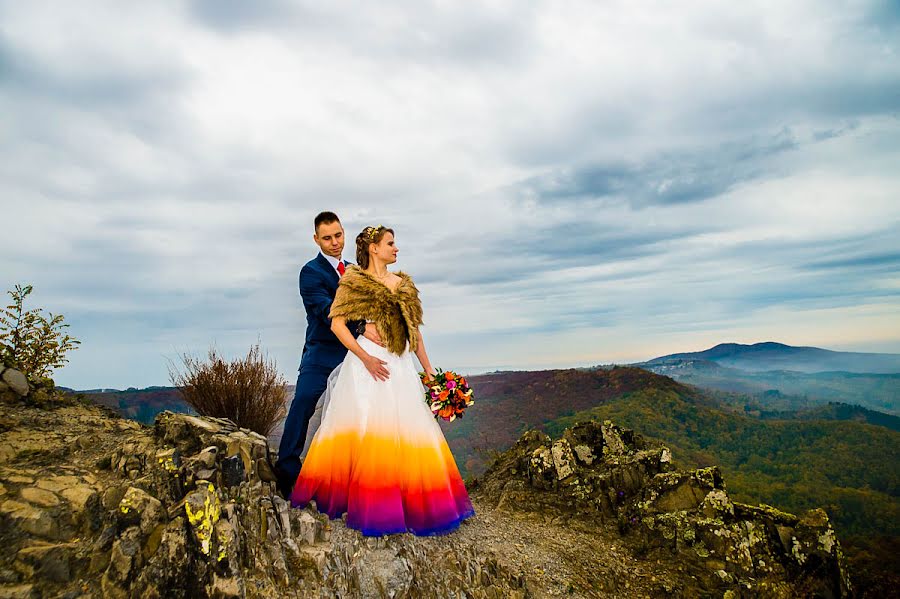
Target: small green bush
(30, 341)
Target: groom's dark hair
(325, 218)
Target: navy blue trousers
(311, 382)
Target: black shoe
(284, 488)
(284, 484)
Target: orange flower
(445, 412)
(444, 395)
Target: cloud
(889, 261)
(233, 15)
(666, 179)
(570, 182)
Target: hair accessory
(371, 232)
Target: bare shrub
(248, 391)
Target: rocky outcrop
(13, 385)
(603, 474)
(17, 387)
(92, 505)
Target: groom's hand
(376, 368)
(371, 333)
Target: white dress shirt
(333, 262)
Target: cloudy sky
(571, 182)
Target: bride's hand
(376, 367)
(371, 333)
(431, 372)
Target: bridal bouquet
(447, 394)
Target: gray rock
(165, 539)
(79, 497)
(41, 497)
(30, 519)
(49, 561)
(225, 588)
(139, 508)
(283, 510)
(173, 554)
(125, 557)
(228, 542)
(19, 591)
(264, 471)
(382, 573)
(307, 528)
(563, 459)
(203, 510)
(112, 496)
(16, 381)
(188, 433)
(207, 457)
(105, 540)
(541, 469)
(243, 446)
(760, 550)
(612, 440)
(584, 454)
(206, 475)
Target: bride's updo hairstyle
(368, 235)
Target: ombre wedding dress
(380, 456)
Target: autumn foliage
(249, 391)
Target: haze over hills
(778, 356)
(747, 369)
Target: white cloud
(570, 183)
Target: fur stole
(396, 314)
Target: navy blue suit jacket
(318, 284)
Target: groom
(322, 351)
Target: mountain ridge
(772, 355)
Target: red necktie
(341, 268)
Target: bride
(379, 455)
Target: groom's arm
(317, 299)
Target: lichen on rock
(686, 513)
(203, 510)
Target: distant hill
(778, 356)
(138, 404)
(786, 389)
